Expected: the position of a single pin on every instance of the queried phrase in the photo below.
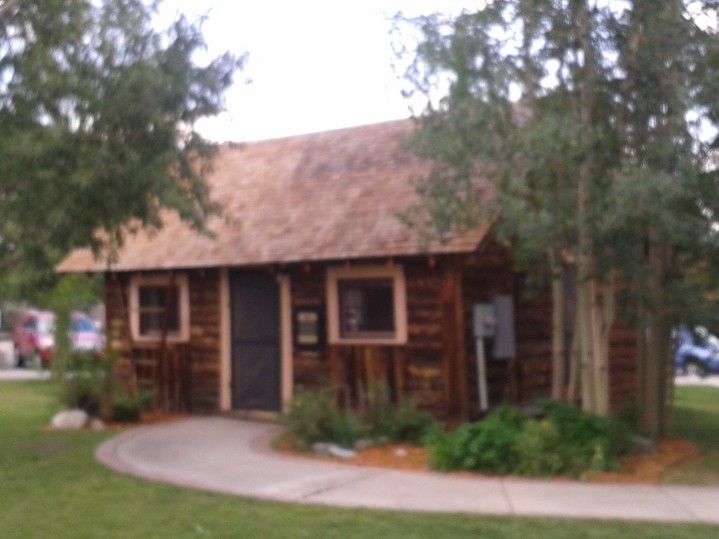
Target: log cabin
(310, 279)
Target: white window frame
(399, 289)
(180, 281)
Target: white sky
(314, 64)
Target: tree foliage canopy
(520, 76)
(98, 113)
(593, 124)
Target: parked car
(84, 335)
(696, 351)
(34, 337)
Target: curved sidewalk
(233, 457)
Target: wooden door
(255, 330)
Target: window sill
(150, 341)
(369, 341)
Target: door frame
(286, 376)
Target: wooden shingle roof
(322, 196)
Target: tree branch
(5, 6)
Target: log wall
(529, 376)
(415, 369)
(198, 359)
(436, 367)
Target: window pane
(152, 296)
(150, 322)
(366, 307)
(153, 301)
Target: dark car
(696, 351)
(84, 334)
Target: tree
(98, 113)
(546, 123)
(664, 200)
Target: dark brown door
(255, 320)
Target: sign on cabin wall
(309, 327)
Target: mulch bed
(650, 468)
(647, 468)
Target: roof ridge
(333, 131)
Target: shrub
(566, 441)
(593, 442)
(413, 425)
(539, 450)
(127, 408)
(314, 417)
(488, 445)
(402, 422)
(85, 383)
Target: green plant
(539, 450)
(414, 425)
(126, 408)
(85, 382)
(401, 422)
(587, 437)
(314, 417)
(566, 441)
(487, 445)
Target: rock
(96, 424)
(69, 420)
(332, 450)
(400, 452)
(321, 448)
(641, 444)
(341, 453)
(364, 443)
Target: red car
(34, 337)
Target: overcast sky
(314, 64)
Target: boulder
(341, 453)
(69, 420)
(640, 444)
(325, 449)
(96, 424)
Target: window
(367, 304)
(366, 307)
(158, 309)
(159, 304)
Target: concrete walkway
(233, 457)
(22, 375)
(708, 381)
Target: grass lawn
(50, 486)
(696, 418)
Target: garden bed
(645, 468)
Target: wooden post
(453, 353)
(164, 367)
(460, 332)
(337, 378)
(398, 361)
